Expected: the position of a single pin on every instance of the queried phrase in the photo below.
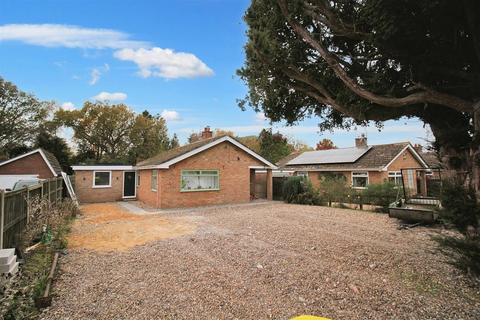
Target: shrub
(381, 194)
(300, 190)
(459, 207)
(334, 187)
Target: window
(154, 180)
(395, 177)
(102, 179)
(302, 174)
(199, 180)
(138, 178)
(359, 179)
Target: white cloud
(59, 35)
(94, 76)
(260, 117)
(110, 96)
(68, 106)
(170, 115)
(96, 73)
(165, 63)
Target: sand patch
(109, 227)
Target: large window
(154, 180)
(359, 179)
(395, 177)
(199, 180)
(102, 179)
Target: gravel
(269, 260)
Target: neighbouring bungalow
(214, 170)
(362, 165)
(33, 165)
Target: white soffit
(344, 155)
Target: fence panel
(14, 208)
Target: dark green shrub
(459, 206)
(381, 194)
(300, 190)
(461, 210)
(334, 188)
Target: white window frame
(154, 186)
(302, 174)
(205, 175)
(102, 186)
(396, 175)
(360, 174)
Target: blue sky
(176, 58)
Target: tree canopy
(21, 116)
(325, 144)
(351, 62)
(114, 133)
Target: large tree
(101, 128)
(273, 146)
(350, 62)
(21, 116)
(148, 136)
(114, 133)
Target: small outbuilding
(104, 183)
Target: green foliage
(334, 187)
(381, 194)
(299, 190)
(459, 206)
(20, 292)
(21, 116)
(273, 146)
(388, 47)
(461, 210)
(57, 146)
(114, 133)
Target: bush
(300, 190)
(381, 194)
(334, 188)
(459, 207)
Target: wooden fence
(14, 209)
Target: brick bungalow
(362, 165)
(217, 170)
(214, 170)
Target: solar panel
(344, 155)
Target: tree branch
(427, 96)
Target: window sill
(200, 190)
(101, 187)
(154, 190)
(361, 188)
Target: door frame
(134, 184)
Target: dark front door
(129, 184)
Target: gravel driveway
(268, 260)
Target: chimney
(206, 133)
(361, 142)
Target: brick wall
(86, 193)
(144, 189)
(32, 164)
(234, 178)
